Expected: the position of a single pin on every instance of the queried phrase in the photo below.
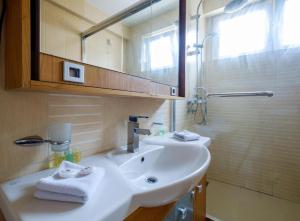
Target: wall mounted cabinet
(29, 69)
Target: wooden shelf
(98, 81)
(79, 89)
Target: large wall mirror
(135, 37)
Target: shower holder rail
(242, 94)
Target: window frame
(170, 30)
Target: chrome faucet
(133, 133)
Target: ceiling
(111, 7)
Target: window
(260, 27)
(161, 53)
(159, 50)
(290, 33)
(243, 34)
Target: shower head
(206, 37)
(235, 5)
(211, 35)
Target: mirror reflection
(144, 44)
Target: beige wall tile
(99, 123)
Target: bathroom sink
(155, 175)
(162, 174)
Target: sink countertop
(114, 194)
(168, 139)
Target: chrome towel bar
(242, 94)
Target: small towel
(46, 195)
(74, 189)
(186, 135)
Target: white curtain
(159, 55)
(263, 27)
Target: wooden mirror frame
(23, 23)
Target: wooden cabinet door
(150, 214)
(199, 213)
(159, 213)
(1, 216)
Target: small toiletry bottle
(55, 159)
(155, 130)
(76, 155)
(69, 155)
(162, 130)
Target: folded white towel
(186, 135)
(46, 195)
(75, 189)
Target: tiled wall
(256, 142)
(99, 123)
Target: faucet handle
(133, 118)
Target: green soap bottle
(69, 155)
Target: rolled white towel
(186, 135)
(81, 187)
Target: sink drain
(151, 179)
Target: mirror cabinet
(136, 48)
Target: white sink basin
(162, 174)
(175, 166)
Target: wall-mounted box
(73, 72)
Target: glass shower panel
(255, 139)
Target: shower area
(243, 74)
